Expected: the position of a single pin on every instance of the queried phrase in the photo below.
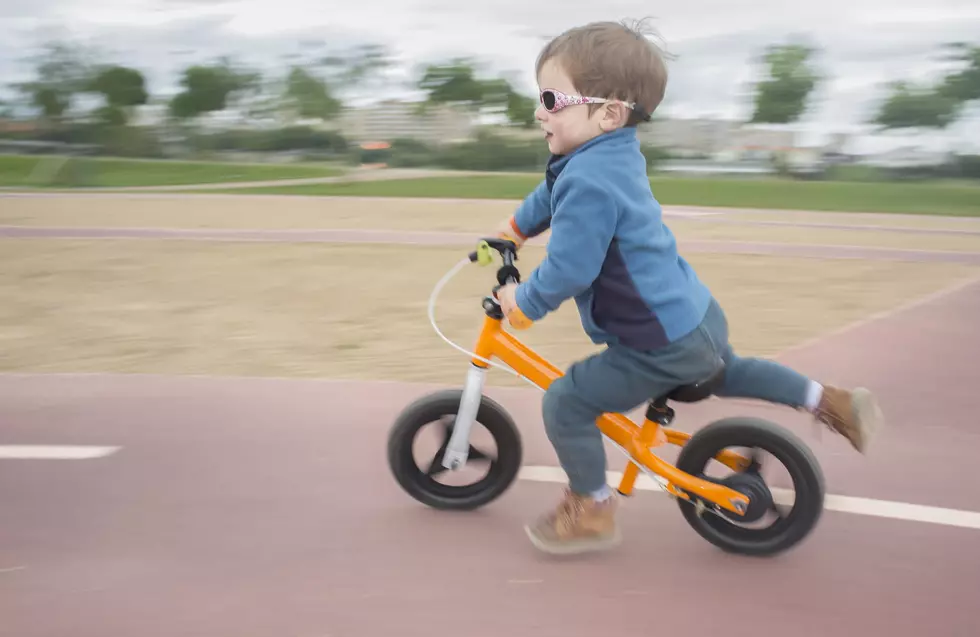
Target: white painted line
(840, 503)
(12, 569)
(54, 452)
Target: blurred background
(844, 90)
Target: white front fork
(459, 444)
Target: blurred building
(688, 137)
(17, 126)
(719, 138)
(390, 120)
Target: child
(610, 251)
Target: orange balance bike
(729, 512)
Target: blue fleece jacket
(609, 249)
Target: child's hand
(507, 296)
(506, 231)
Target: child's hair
(612, 60)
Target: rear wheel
(730, 531)
(419, 479)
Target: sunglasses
(553, 101)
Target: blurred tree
(500, 96)
(965, 84)
(916, 107)
(520, 109)
(455, 82)
(357, 65)
(315, 80)
(208, 89)
(933, 107)
(52, 102)
(782, 97)
(310, 96)
(123, 88)
(61, 72)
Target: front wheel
(420, 481)
(725, 530)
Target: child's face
(571, 126)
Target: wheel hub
(751, 485)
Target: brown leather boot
(577, 525)
(853, 414)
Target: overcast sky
(866, 43)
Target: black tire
(791, 451)
(428, 409)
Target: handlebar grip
(518, 320)
(482, 254)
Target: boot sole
(575, 547)
(868, 414)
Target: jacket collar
(556, 163)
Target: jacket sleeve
(582, 227)
(534, 215)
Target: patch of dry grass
(359, 311)
(274, 212)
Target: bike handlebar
(506, 248)
(506, 274)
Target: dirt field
(358, 311)
(446, 215)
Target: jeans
(620, 379)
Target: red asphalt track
(262, 507)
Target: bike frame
(636, 441)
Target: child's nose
(540, 113)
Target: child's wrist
(515, 229)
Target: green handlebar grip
(483, 254)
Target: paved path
(263, 507)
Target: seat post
(660, 412)
(658, 415)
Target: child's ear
(614, 115)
